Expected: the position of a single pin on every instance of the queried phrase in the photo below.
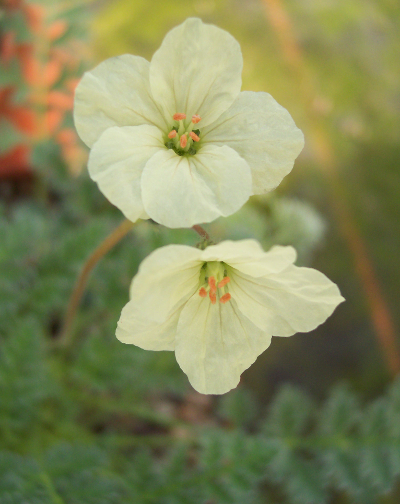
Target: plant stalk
(66, 338)
(202, 232)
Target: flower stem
(66, 338)
(202, 232)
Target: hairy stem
(202, 232)
(66, 338)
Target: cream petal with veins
(217, 147)
(218, 311)
(263, 133)
(180, 191)
(115, 93)
(197, 70)
(215, 343)
(116, 163)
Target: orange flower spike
(172, 134)
(15, 162)
(194, 137)
(196, 119)
(8, 47)
(29, 64)
(225, 298)
(52, 72)
(223, 282)
(23, 118)
(66, 136)
(183, 141)
(60, 100)
(34, 15)
(53, 118)
(203, 292)
(213, 297)
(178, 117)
(57, 30)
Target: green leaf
(289, 414)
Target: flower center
(214, 281)
(183, 137)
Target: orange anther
(183, 141)
(194, 137)
(202, 292)
(225, 298)
(172, 134)
(213, 297)
(211, 283)
(196, 119)
(178, 117)
(223, 282)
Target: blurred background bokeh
(316, 418)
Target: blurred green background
(316, 418)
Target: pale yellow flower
(175, 139)
(218, 308)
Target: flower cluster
(175, 140)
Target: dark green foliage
(239, 407)
(20, 481)
(298, 451)
(24, 383)
(104, 424)
(65, 474)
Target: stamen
(225, 298)
(194, 137)
(213, 297)
(183, 141)
(203, 292)
(196, 119)
(178, 117)
(223, 282)
(211, 283)
(172, 134)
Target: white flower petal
(165, 277)
(236, 251)
(164, 282)
(293, 300)
(116, 163)
(215, 344)
(249, 257)
(147, 334)
(197, 70)
(115, 93)
(263, 133)
(180, 191)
